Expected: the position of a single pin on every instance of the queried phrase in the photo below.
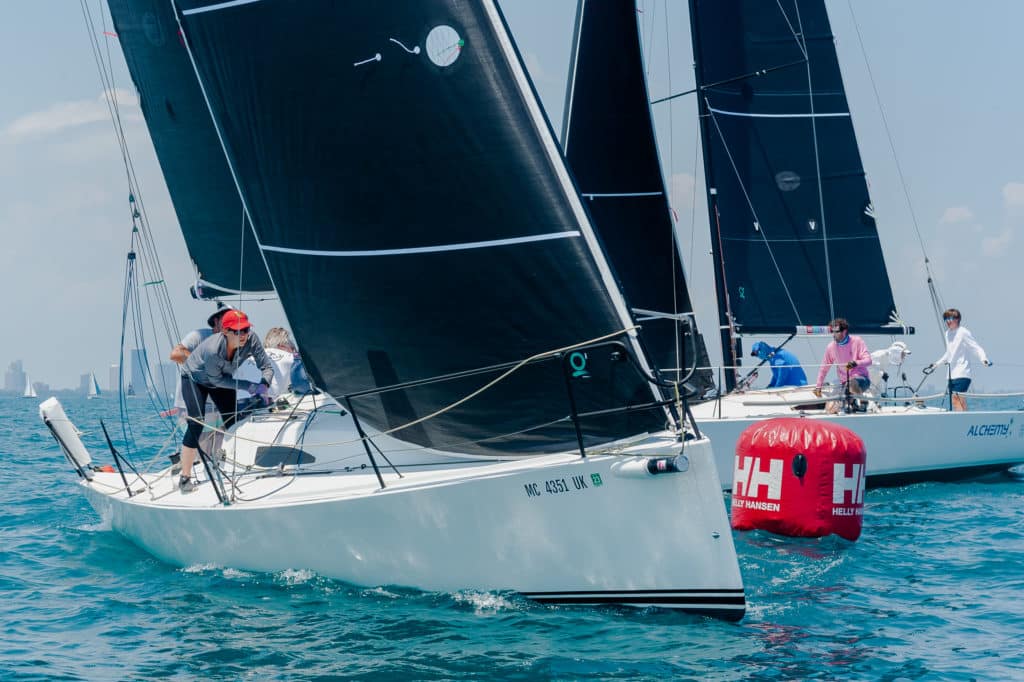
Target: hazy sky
(947, 73)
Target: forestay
(793, 228)
(416, 214)
(205, 198)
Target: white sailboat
(795, 242)
(94, 387)
(500, 427)
(30, 390)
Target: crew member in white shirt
(960, 347)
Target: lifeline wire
(470, 396)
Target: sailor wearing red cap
(208, 372)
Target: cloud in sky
(956, 214)
(65, 115)
(1013, 197)
(997, 245)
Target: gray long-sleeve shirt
(209, 365)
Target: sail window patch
(426, 249)
(787, 181)
(444, 45)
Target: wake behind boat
(497, 420)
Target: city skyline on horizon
(108, 379)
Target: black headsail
(416, 214)
(609, 142)
(205, 197)
(792, 225)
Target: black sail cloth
(793, 229)
(609, 142)
(199, 181)
(414, 209)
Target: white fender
(52, 414)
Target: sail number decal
(558, 486)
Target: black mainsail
(792, 226)
(609, 142)
(414, 208)
(204, 195)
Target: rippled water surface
(932, 590)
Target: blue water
(932, 590)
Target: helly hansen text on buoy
(799, 477)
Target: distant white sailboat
(30, 391)
(94, 387)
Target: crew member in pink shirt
(849, 354)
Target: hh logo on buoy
(799, 477)
(749, 477)
(847, 491)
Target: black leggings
(195, 404)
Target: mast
(732, 352)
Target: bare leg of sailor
(959, 403)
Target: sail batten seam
(217, 6)
(425, 249)
(592, 195)
(744, 114)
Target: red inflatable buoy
(799, 477)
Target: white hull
(904, 444)
(615, 534)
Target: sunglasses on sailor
(950, 319)
(240, 332)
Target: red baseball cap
(235, 319)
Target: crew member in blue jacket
(786, 369)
